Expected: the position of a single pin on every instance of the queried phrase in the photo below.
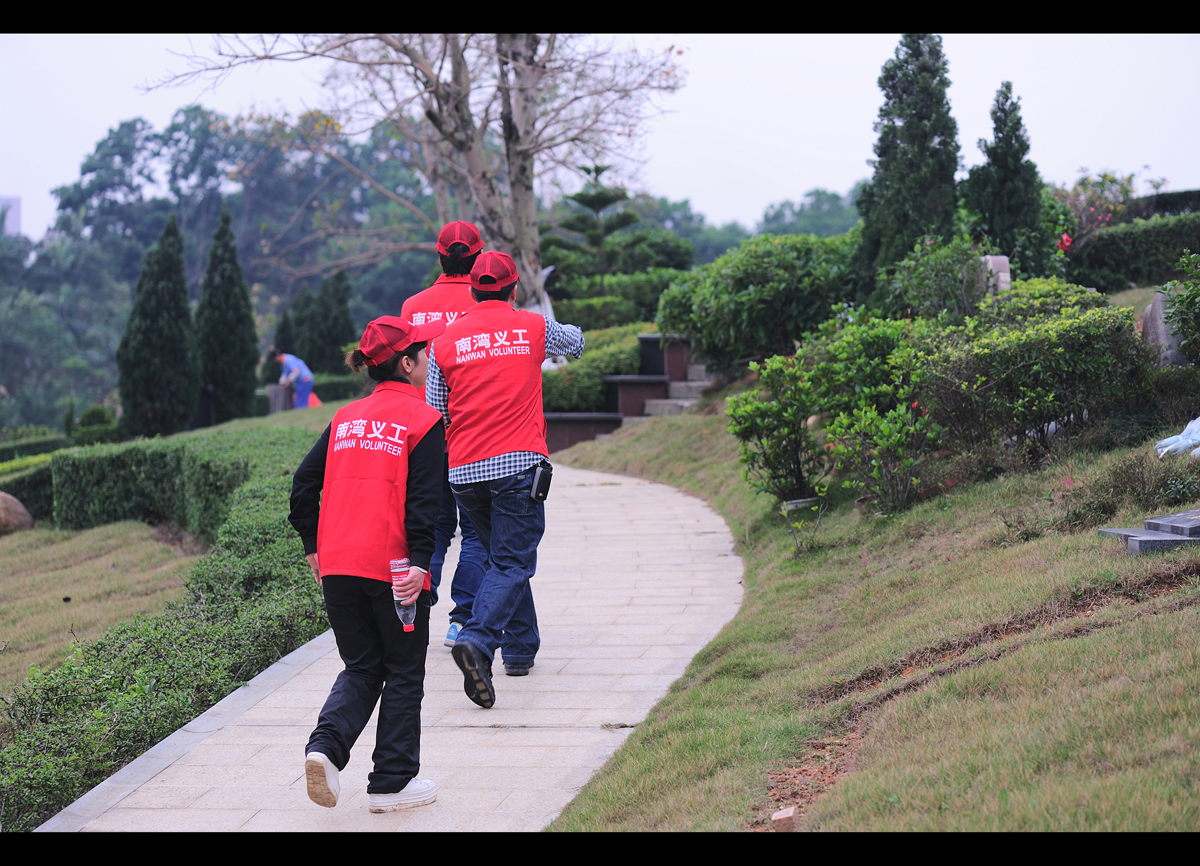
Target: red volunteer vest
(448, 298)
(361, 529)
(491, 359)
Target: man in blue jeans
(485, 378)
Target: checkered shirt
(560, 340)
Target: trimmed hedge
(251, 601)
(579, 386)
(1145, 252)
(330, 388)
(26, 447)
(34, 488)
(1040, 299)
(1017, 384)
(591, 314)
(759, 299)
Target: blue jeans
(472, 557)
(510, 524)
(303, 389)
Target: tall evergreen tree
(158, 379)
(1006, 191)
(226, 339)
(323, 324)
(912, 193)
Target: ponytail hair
(389, 370)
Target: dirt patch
(830, 760)
(181, 542)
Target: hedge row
(26, 447)
(34, 488)
(251, 601)
(579, 386)
(1145, 252)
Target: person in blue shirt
(295, 373)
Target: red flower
(1065, 243)
(914, 405)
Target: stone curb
(148, 765)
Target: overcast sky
(761, 119)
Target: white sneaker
(322, 777)
(418, 792)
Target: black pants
(380, 657)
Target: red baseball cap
(388, 335)
(459, 232)
(499, 266)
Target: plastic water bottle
(406, 612)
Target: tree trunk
(521, 74)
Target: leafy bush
(37, 445)
(852, 358)
(1183, 312)
(34, 488)
(639, 293)
(1030, 300)
(937, 276)
(758, 299)
(770, 423)
(579, 386)
(1145, 252)
(885, 453)
(1022, 384)
(250, 601)
(594, 313)
(11, 467)
(1176, 394)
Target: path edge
(157, 758)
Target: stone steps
(668, 407)
(1160, 533)
(686, 390)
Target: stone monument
(1157, 334)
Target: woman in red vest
(365, 501)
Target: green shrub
(37, 445)
(770, 423)
(885, 453)
(1140, 481)
(1183, 311)
(96, 435)
(639, 291)
(251, 601)
(1032, 300)
(1020, 384)
(11, 467)
(34, 488)
(1145, 252)
(759, 299)
(1176, 394)
(579, 386)
(852, 359)
(330, 388)
(937, 276)
(594, 313)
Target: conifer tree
(912, 193)
(226, 339)
(155, 359)
(1006, 191)
(323, 324)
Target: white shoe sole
(318, 784)
(399, 806)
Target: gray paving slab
(634, 578)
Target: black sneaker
(477, 673)
(517, 669)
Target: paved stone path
(633, 579)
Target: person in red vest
(458, 247)
(485, 377)
(364, 502)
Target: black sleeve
(423, 499)
(306, 493)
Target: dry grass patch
(111, 573)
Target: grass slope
(926, 671)
(110, 573)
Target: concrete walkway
(633, 579)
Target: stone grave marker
(1161, 533)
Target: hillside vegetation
(926, 671)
